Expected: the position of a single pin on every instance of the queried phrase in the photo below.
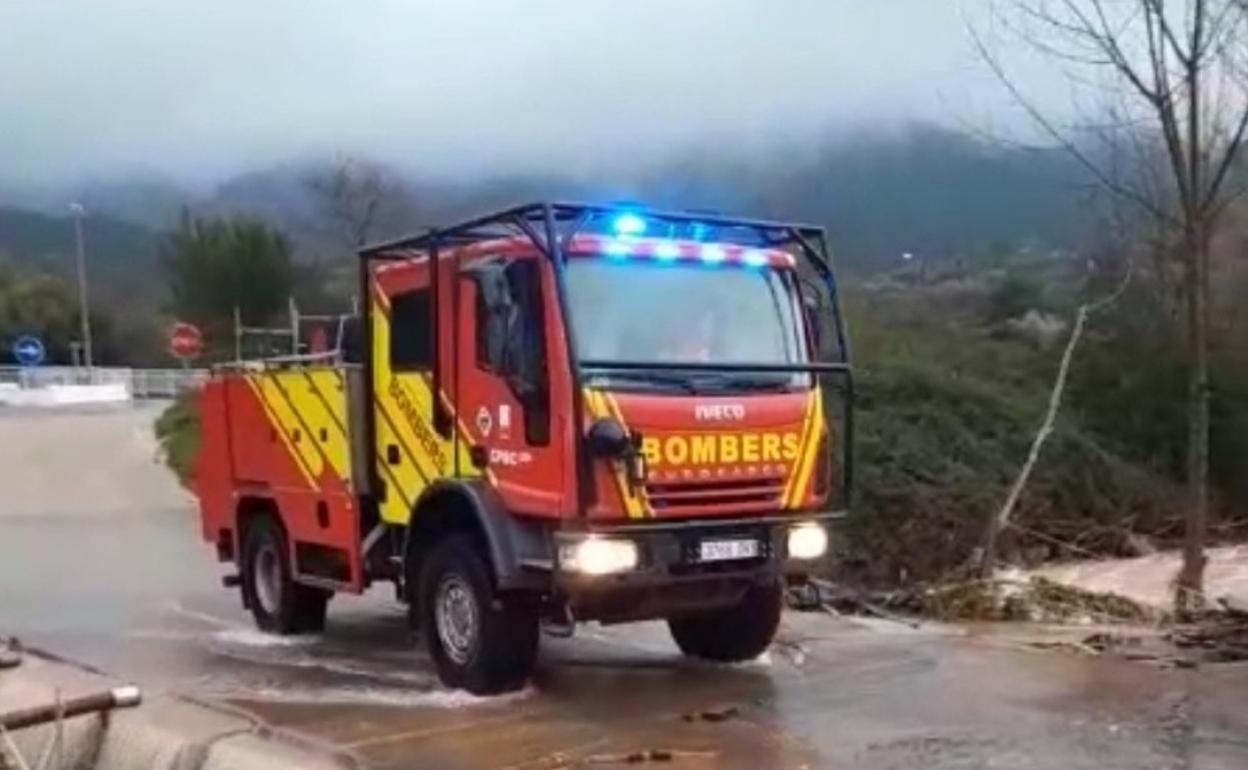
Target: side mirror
(608, 439)
(812, 311)
(813, 327)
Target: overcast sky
(200, 90)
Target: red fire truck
(554, 413)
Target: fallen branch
(648, 755)
(1231, 610)
(858, 600)
(999, 522)
(10, 654)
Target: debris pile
(1215, 637)
(1035, 599)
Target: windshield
(686, 313)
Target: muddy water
(1149, 579)
(831, 694)
(134, 592)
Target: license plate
(727, 550)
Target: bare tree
(355, 196)
(1175, 73)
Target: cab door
(505, 372)
(411, 451)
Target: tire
(478, 641)
(278, 604)
(740, 632)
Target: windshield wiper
(645, 378)
(732, 381)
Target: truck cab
(556, 413)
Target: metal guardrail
(141, 383)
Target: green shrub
(946, 415)
(177, 431)
(1013, 296)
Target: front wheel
(479, 641)
(278, 604)
(739, 632)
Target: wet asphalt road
(139, 596)
(100, 562)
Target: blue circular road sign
(28, 350)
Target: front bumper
(670, 576)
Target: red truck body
(469, 414)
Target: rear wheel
(739, 632)
(278, 604)
(479, 641)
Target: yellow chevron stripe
(403, 407)
(638, 496)
(803, 447)
(330, 384)
(284, 423)
(466, 443)
(313, 393)
(405, 480)
(596, 401)
(419, 395)
(812, 450)
(285, 411)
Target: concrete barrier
(65, 395)
(165, 732)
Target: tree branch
(1070, 147)
(1229, 155)
(1157, 8)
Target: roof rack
(566, 219)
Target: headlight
(808, 541)
(598, 556)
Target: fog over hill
(823, 110)
(928, 191)
(475, 88)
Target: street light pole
(83, 306)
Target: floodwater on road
(135, 593)
(140, 597)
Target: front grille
(687, 496)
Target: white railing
(140, 383)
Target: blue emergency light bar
(627, 229)
(627, 224)
(666, 252)
(713, 253)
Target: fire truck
(551, 414)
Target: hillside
(928, 191)
(117, 250)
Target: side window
(352, 341)
(511, 340)
(487, 344)
(411, 330)
(527, 354)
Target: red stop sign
(185, 340)
(318, 340)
